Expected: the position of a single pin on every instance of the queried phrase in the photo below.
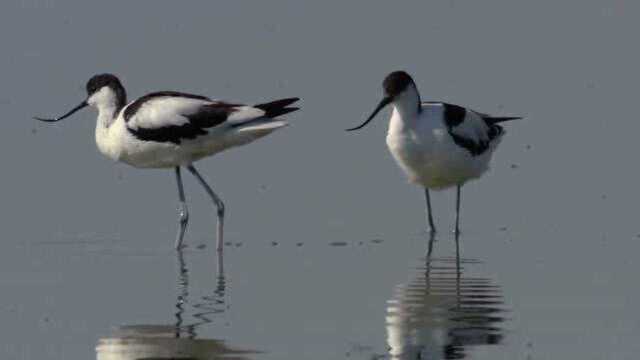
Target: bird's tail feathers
(278, 107)
(491, 120)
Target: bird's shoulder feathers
(469, 129)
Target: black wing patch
(454, 115)
(210, 115)
(207, 116)
(173, 134)
(477, 148)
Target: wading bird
(437, 145)
(169, 129)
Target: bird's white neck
(105, 135)
(107, 113)
(108, 102)
(407, 105)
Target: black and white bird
(437, 145)
(169, 129)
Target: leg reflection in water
(206, 308)
(181, 339)
(443, 312)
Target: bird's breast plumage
(110, 137)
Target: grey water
(327, 255)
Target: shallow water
(326, 254)
(443, 313)
(440, 305)
(310, 301)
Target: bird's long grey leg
(221, 283)
(432, 227)
(458, 268)
(216, 200)
(457, 229)
(432, 239)
(183, 212)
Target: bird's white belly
(431, 159)
(120, 145)
(151, 154)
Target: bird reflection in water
(178, 341)
(442, 313)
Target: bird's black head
(115, 96)
(396, 82)
(99, 81)
(393, 85)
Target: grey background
(88, 244)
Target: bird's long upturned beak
(384, 102)
(82, 105)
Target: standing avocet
(438, 145)
(170, 129)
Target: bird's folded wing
(468, 128)
(173, 117)
(472, 128)
(162, 111)
(466, 124)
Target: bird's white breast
(108, 135)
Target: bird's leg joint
(221, 208)
(183, 213)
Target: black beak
(384, 102)
(82, 105)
